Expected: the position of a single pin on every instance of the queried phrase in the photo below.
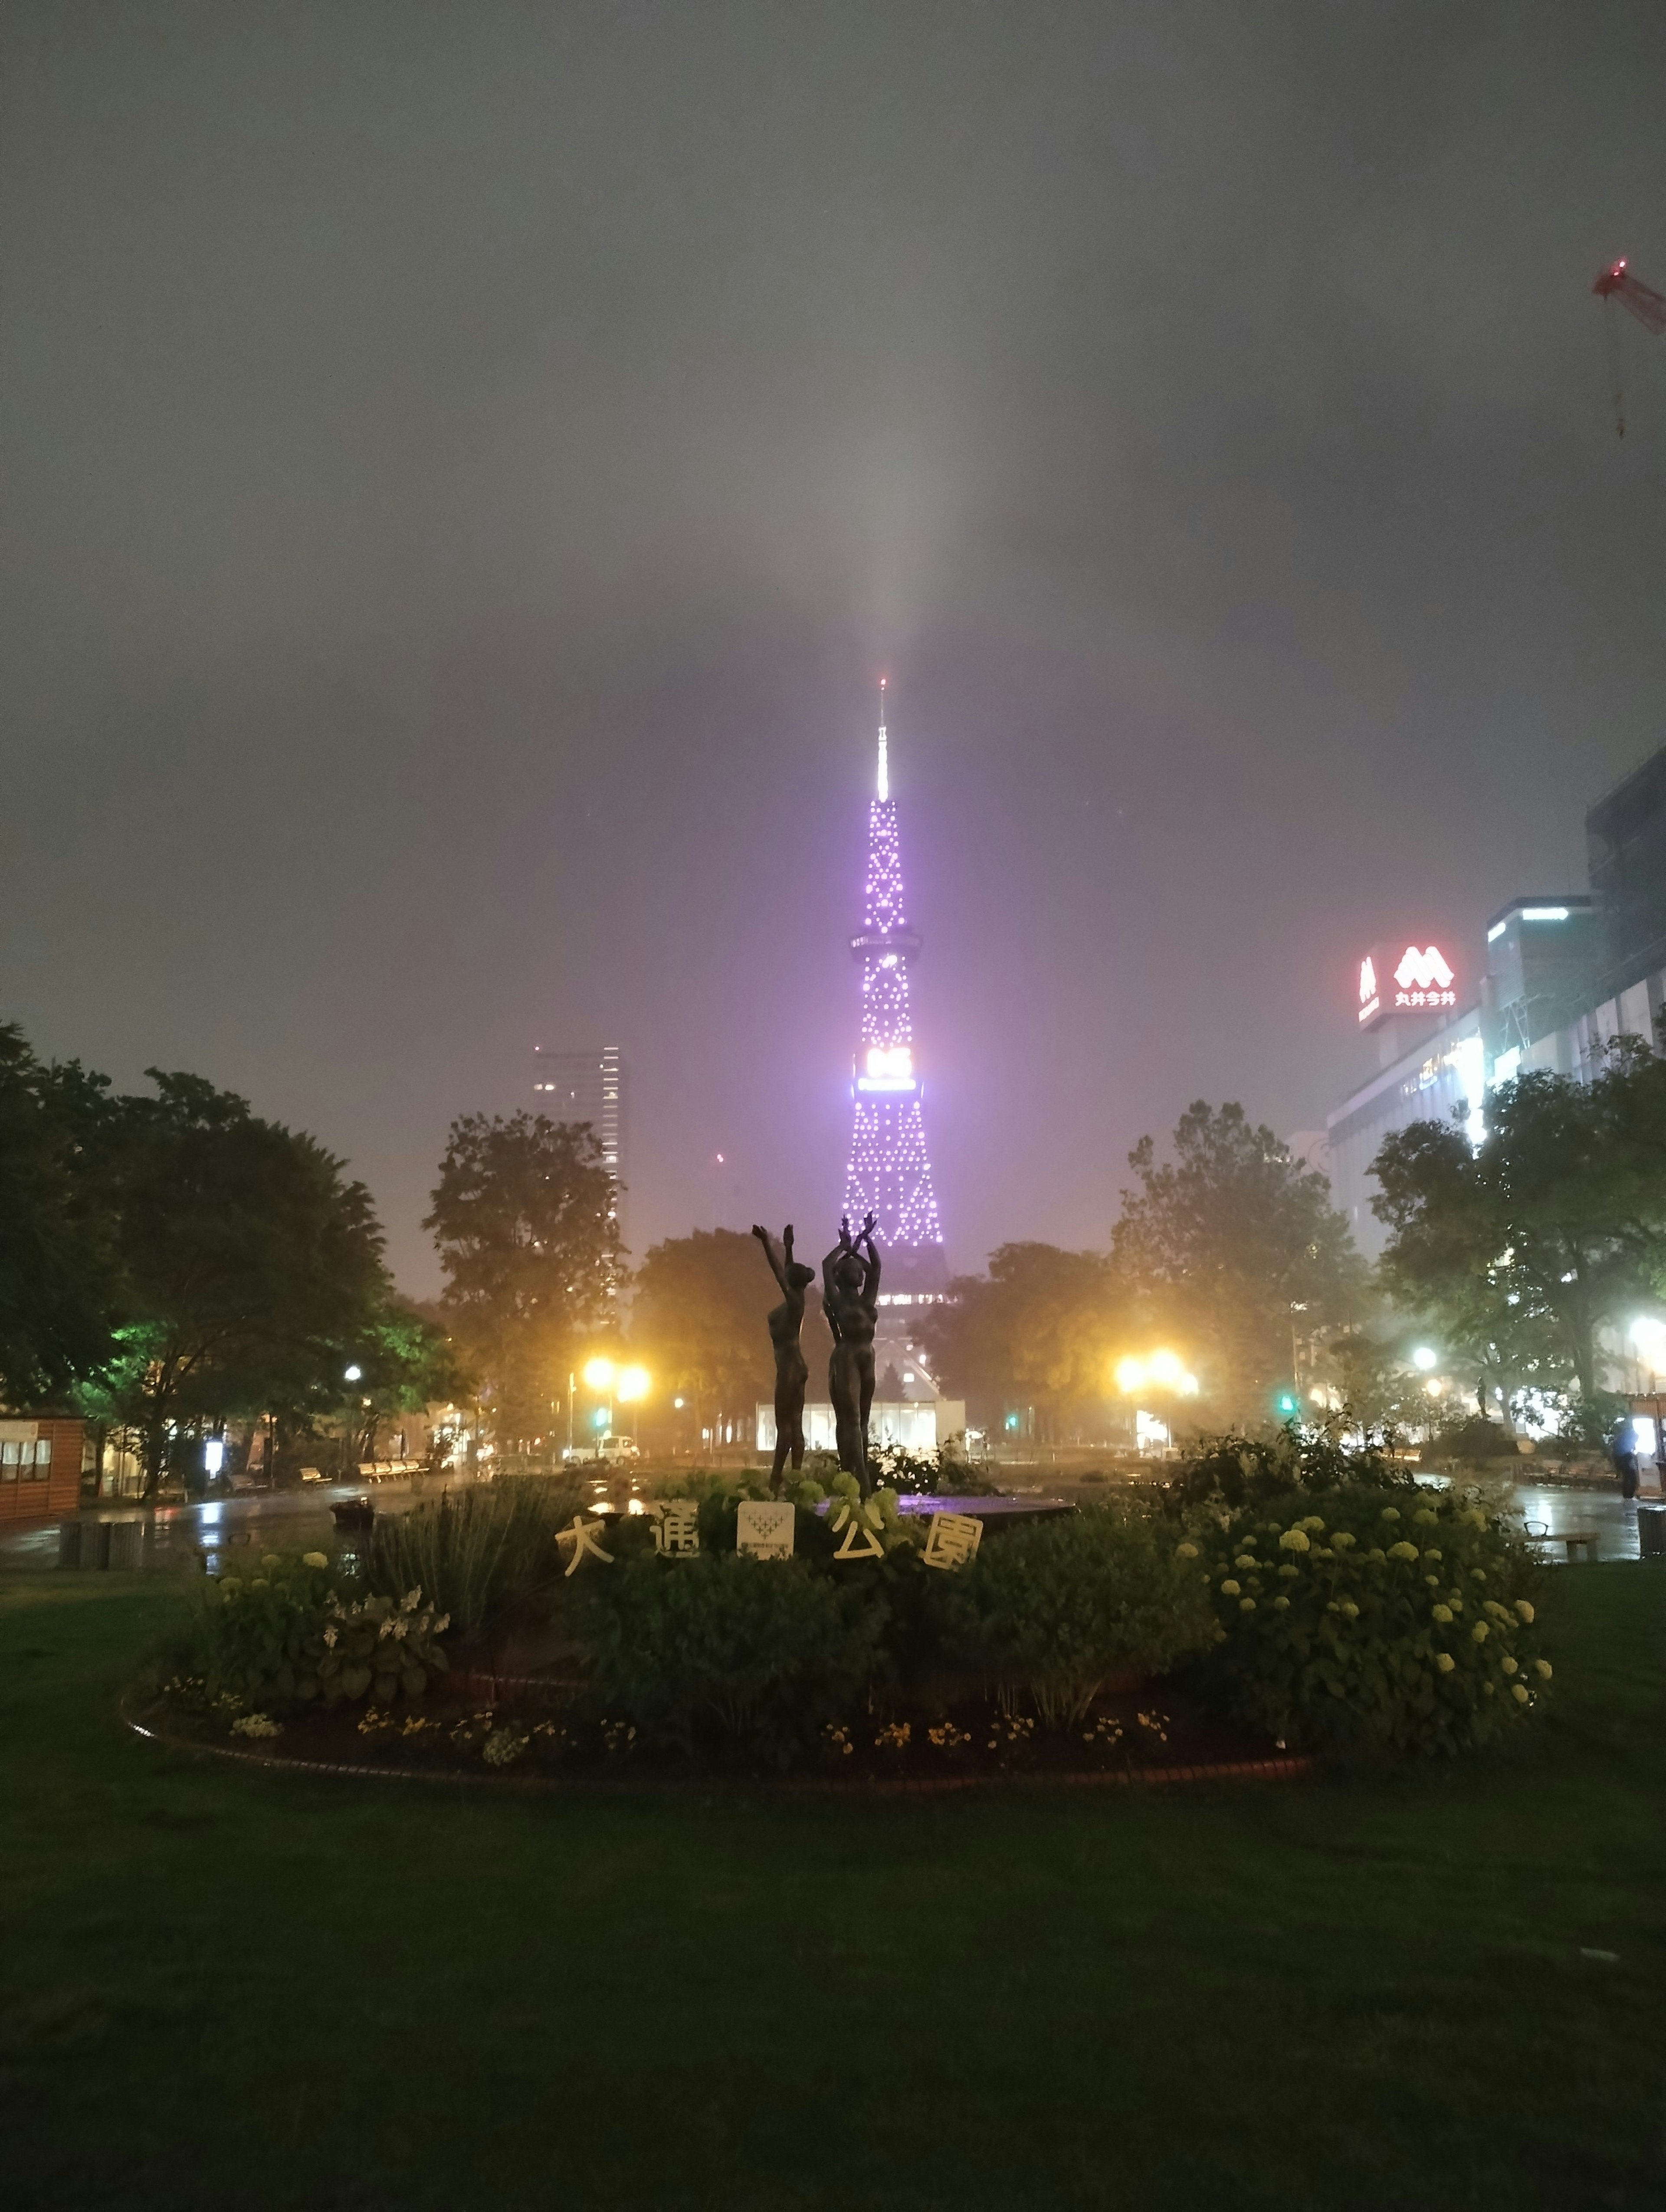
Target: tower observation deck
(890, 1173)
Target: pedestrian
(1623, 1451)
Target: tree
(405, 1363)
(699, 1320)
(245, 1266)
(1040, 1327)
(1236, 1247)
(524, 1218)
(1555, 1226)
(57, 1262)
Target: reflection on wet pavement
(220, 1530)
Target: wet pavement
(177, 1538)
(215, 1531)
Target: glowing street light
(632, 1383)
(351, 1374)
(599, 1374)
(1161, 1370)
(1424, 1360)
(1650, 1337)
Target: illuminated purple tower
(890, 1174)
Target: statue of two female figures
(850, 1299)
(792, 1371)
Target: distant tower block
(890, 1173)
(585, 1086)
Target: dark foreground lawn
(224, 1987)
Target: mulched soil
(1142, 1734)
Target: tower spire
(890, 1173)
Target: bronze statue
(792, 1371)
(850, 1299)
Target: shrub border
(1290, 1767)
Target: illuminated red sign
(1421, 981)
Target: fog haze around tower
(465, 469)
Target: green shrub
(375, 1649)
(1056, 1608)
(762, 1651)
(483, 1556)
(1369, 1620)
(287, 1636)
(1244, 1470)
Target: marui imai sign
(1421, 981)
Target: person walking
(1623, 1450)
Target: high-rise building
(890, 1173)
(585, 1086)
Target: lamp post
(351, 1373)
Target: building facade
(586, 1085)
(1560, 976)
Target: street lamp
(1424, 1359)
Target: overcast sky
(464, 468)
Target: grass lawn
(223, 1987)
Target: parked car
(611, 1452)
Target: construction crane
(1644, 306)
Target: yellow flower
(1350, 1608)
(1229, 1587)
(1294, 1539)
(1289, 1572)
(1431, 1555)
(1443, 1613)
(1480, 1632)
(1281, 1605)
(1185, 1551)
(1509, 1664)
(1542, 1668)
(1433, 1581)
(1246, 1605)
(1389, 1513)
(1523, 1611)
(1445, 1662)
(1403, 1551)
(1377, 1556)
(1244, 1563)
(314, 1559)
(1518, 1690)
(1341, 1540)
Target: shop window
(28, 1462)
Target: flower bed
(1363, 1617)
(1131, 1738)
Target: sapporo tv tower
(890, 1174)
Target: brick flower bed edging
(1290, 1767)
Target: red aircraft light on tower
(1643, 304)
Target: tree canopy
(248, 1270)
(56, 1234)
(1233, 1246)
(1525, 1247)
(524, 1219)
(171, 1260)
(699, 1315)
(1039, 1329)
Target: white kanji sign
(584, 1536)
(951, 1538)
(763, 1528)
(861, 1525)
(676, 1527)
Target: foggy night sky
(462, 469)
